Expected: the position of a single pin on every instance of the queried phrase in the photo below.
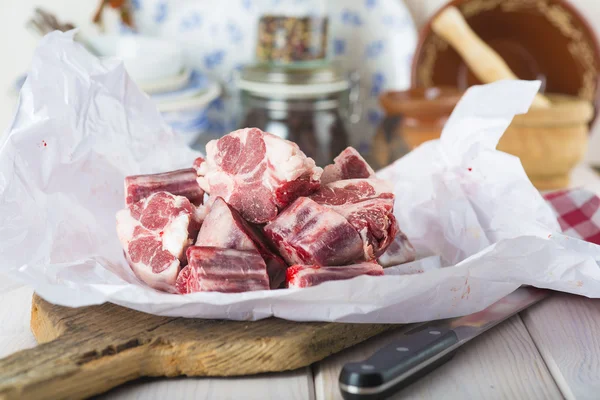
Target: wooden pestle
(481, 59)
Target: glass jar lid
(266, 80)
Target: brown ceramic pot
(424, 111)
(538, 39)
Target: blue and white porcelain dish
(189, 124)
(197, 84)
(375, 37)
(186, 110)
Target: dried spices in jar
(287, 39)
(309, 106)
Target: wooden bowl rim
(565, 110)
(413, 101)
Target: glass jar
(309, 106)
(412, 117)
(293, 32)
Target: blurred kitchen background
(330, 73)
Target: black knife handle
(398, 364)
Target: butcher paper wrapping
(481, 228)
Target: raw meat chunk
(349, 164)
(197, 163)
(257, 173)
(154, 233)
(368, 205)
(225, 228)
(211, 269)
(308, 233)
(300, 276)
(352, 191)
(375, 222)
(400, 251)
(182, 182)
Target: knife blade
(425, 347)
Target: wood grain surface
(566, 330)
(501, 364)
(89, 350)
(292, 385)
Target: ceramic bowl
(187, 110)
(539, 39)
(146, 59)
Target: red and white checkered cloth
(578, 213)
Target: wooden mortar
(481, 59)
(550, 141)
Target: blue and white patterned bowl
(187, 110)
(190, 124)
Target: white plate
(198, 83)
(187, 103)
(168, 84)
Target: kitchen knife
(425, 347)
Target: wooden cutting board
(89, 350)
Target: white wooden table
(549, 351)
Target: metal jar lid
(292, 82)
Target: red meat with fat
(257, 173)
(349, 164)
(182, 182)
(301, 276)
(212, 269)
(308, 233)
(225, 228)
(368, 205)
(154, 233)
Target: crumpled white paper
(82, 126)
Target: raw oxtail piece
(308, 233)
(211, 269)
(197, 163)
(155, 233)
(182, 182)
(257, 173)
(368, 205)
(225, 228)
(349, 164)
(400, 251)
(301, 276)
